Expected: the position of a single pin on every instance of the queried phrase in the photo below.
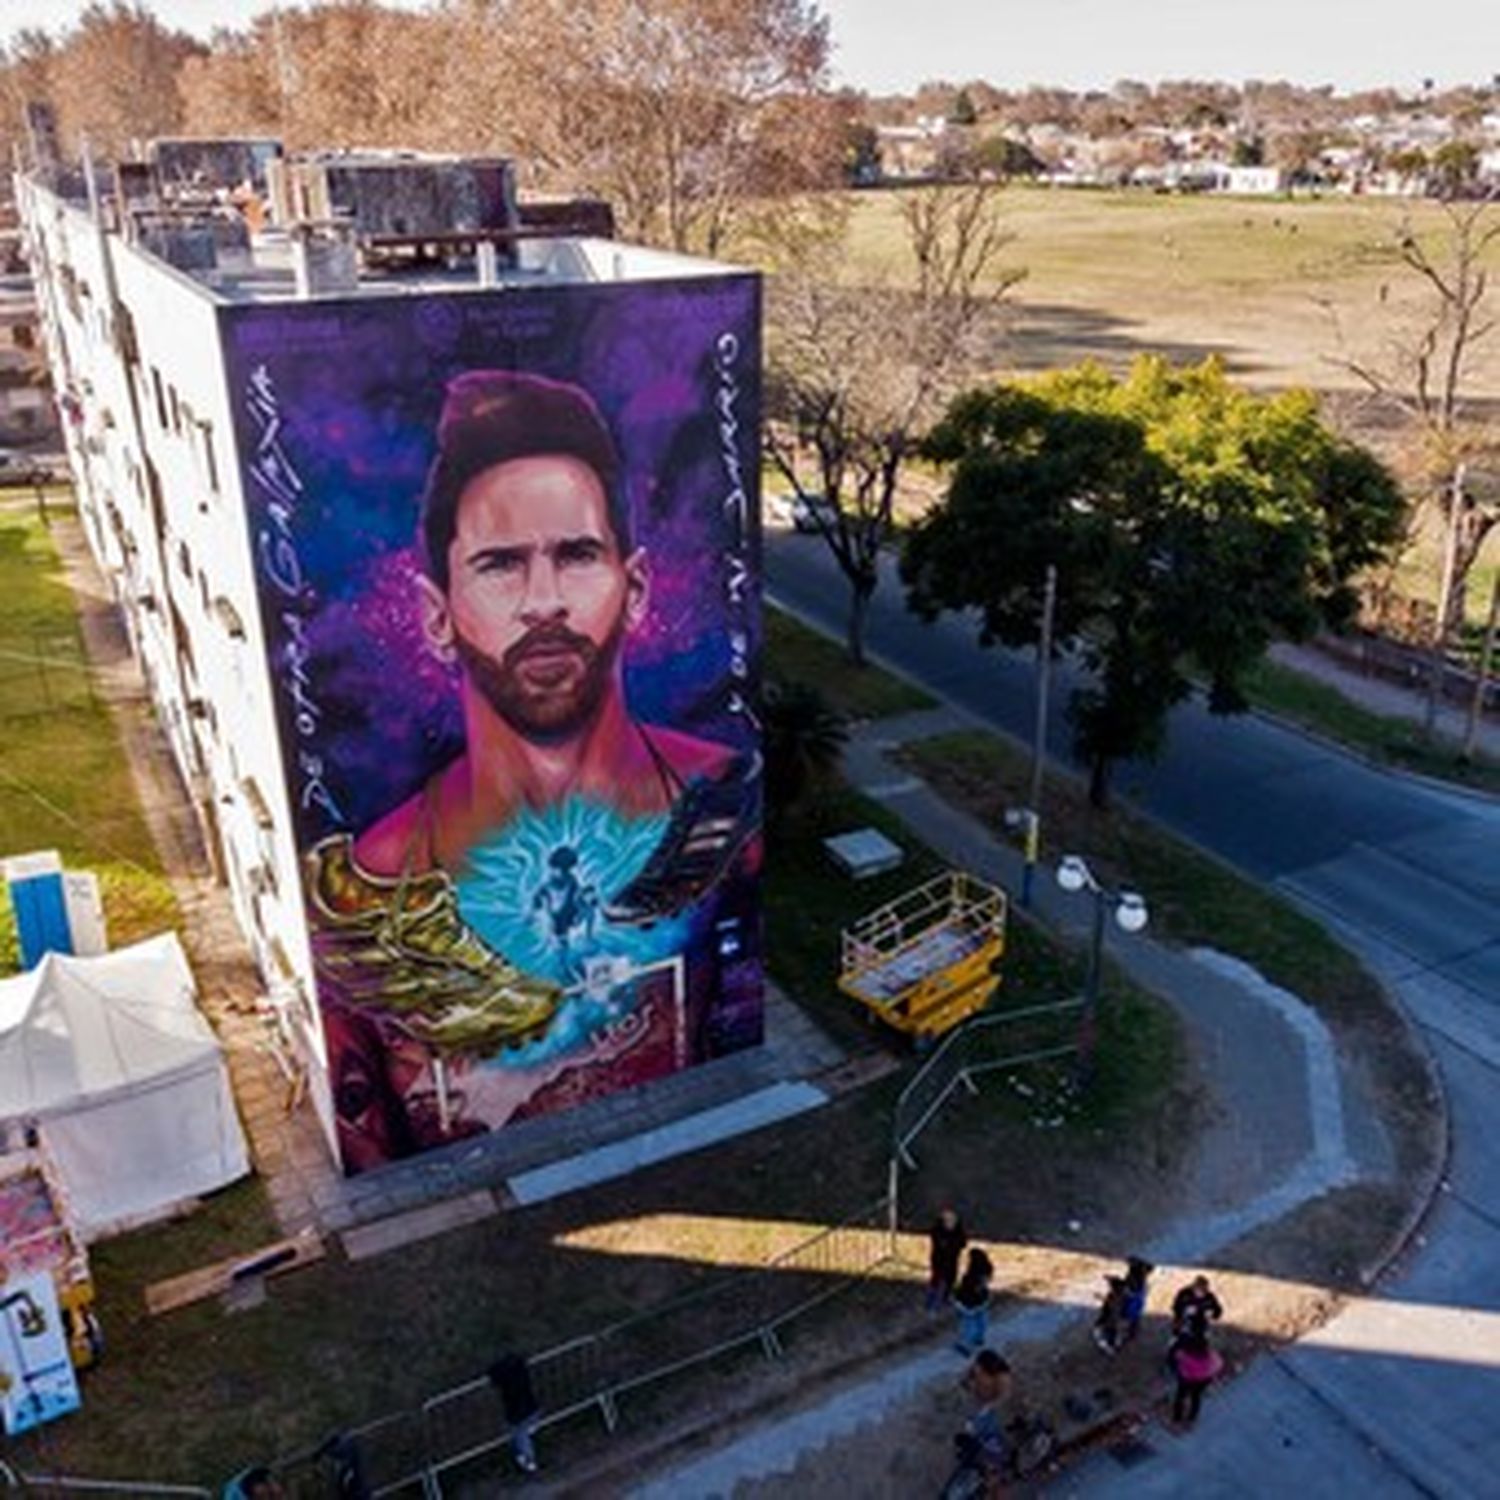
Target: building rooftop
(266, 271)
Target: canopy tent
(111, 1055)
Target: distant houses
(1407, 152)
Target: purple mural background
(336, 409)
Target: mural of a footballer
(474, 935)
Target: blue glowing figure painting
(507, 555)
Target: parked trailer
(37, 1235)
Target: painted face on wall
(539, 595)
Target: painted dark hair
(493, 416)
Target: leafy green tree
(1191, 523)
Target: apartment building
(275, 422)
(28, 424)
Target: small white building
(1253, 181)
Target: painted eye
(579, 553)
(501, 562)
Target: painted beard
(550, 683)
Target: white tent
(111, 1055)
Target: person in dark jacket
(511, 1377)
(1111, 1310)
(971, 1300)
(945, 1241)
(1194, 1308)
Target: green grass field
(795, 653)
(64, 780)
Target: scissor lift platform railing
(929, 959)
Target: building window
(209, 461)
(229, 618)
(161, 397)
(157, 501)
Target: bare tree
(857, 374)
(1424, 375)
(113, 77)
(664, 107)
(25, 76)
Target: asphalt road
(1400, 1394)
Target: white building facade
(148, 362)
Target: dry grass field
(1281, 288)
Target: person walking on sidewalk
(1133, 1303)
(1196, 1364)
(945, 1241)
(980, 1448)
(511, 1377)
(971, 1300)
(1111, 1311)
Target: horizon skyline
(1106, 41)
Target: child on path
(945, 1240)
(981, 1445)
(971, 1300)
(1133, 1305)
(1196, 1364)
(1111, 1310)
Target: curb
(1428, 1190)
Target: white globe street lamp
(1131, 915)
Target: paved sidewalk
(1290, 1125)
(1382, 696)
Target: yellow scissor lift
(929, 959)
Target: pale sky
(891, 46)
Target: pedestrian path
(1391, 700)
(1290, 1126)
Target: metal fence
(414, 1452)
(63, 1486)
(747, 1310)
(997, 1040)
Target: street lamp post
(1131, 915)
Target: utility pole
(1033, 809)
